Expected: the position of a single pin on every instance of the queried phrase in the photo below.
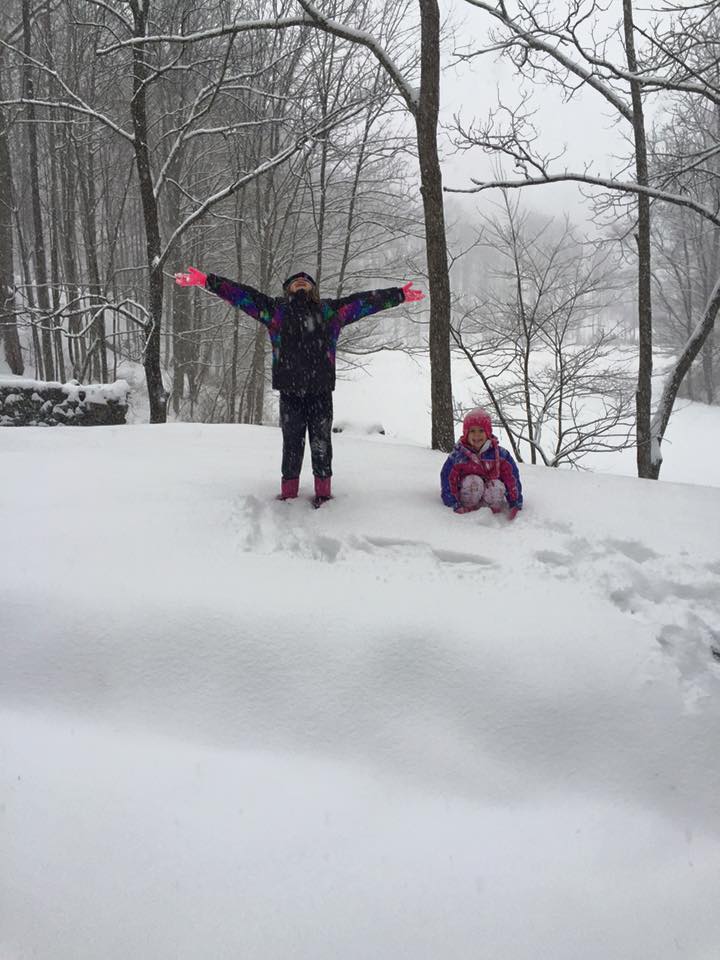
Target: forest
(256, 138)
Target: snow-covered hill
(232, 727)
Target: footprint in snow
(695, 651)
(272, 528)
(632, 549)
(442, 556)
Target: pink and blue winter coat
(493, 462)
(303, 332)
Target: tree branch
(607, 183)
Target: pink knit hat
(477, 418)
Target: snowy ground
(237, 728)
(392, 389)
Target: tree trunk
(345, 259)
(648, 457)
(27, 283)
(232, 390)
(676, 375)
(76, 345)
(8, 324)
(157, 394)
(254, 406)
(179, 346)
(708, 353)
(89, 187)
(426, 119)
(182, 307)
(54, 232)
(34, 164)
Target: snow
(394, 390)
(91, 392)
(233, 727)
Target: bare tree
(556, 383)
(154, 149)
(339, 207)
(685, 150)
(41, 271)
(8, 322)
(137, 72)
(423, 104)
(560, 47)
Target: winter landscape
(358, 721)
(235, 727)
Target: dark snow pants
(311, 413)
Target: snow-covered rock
(26, 402)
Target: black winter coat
(303, 332)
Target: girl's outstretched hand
(193, 278)
(412, 295)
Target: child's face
(476, 437)
(300, 284)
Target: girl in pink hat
(479, 472)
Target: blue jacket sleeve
(445, 492)
(241, 295)
(510, 476)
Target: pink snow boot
(289, 489)
(322, 491)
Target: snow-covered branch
(607, 183)
(531, 39)
(64, 105)
(210, 34)
(318, 130)
(78, 105)
(312, 18)
(409, 93)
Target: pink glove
(465, 509)
(512, 513)
(412, 295)
(193, 278)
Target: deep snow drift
(232, 727)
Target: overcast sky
(585, 127)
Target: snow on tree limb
(77, 105)
(327, 123)
(607, 183)
(313, 19)
(63, 105)
(361, 37)
(531, 38)
(200, 35)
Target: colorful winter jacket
(303, 332)
(493, 462)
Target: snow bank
(252, 729)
